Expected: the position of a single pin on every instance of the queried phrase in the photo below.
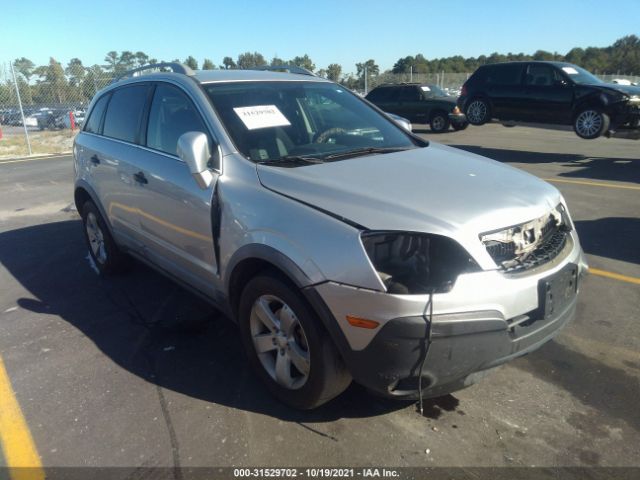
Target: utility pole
(24, 123)
(410, 73)
(365, 80)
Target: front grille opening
(542, 242)
(546, 252)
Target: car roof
(212, 76)
(522, 62)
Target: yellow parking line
(615, 276)
(15, 438)
(593, 184)
(20, 160)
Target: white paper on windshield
(261, 116)
(570, 70)
(425, 89)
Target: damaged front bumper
(487, 319)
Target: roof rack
(286, 68)
(174, 66)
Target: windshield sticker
(261, 116)
(570, 70)
(425, 89)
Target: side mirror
(401, 121)
(193, 149)
(560, 83)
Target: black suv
(420, 103)
(549, 92)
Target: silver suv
(344, 246)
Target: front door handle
(95, 160)
(140, 178)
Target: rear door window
(504, 75)
(124, 113)
(93, 124)
(409, 94)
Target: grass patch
(58, 141)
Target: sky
(344, 32)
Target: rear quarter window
(95, 117)
(124, 113)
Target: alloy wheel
(96, 238)
(588, 123)
(280, 342)
(477, 111)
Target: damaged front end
(530, 244)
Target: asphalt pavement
(133, 371)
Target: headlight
(415, 263)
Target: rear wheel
(104, 252)
(287, 346)
(439, 122)
(478, 111)
(590, 123)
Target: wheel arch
(84, 192)
(250, 260)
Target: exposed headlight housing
(416, 263)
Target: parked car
(420, 103)
(344, 246)
(549, 92)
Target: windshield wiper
(292, 161)
(364, 151)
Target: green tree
(112, 61)
(276, 61)
(228, 63)
(53, 83)
(142, 59)
(208, 65)
(75, 71)
(334, 71)
(191, 62)
(250, 60)
(25, 67)
(304, 62)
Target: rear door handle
(140, 178)
(95, 160)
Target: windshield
(580, 75)
(277, 121)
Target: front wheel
(478, 112)
(590, 123)
(439, 122)
(287, 346)
(459, 126)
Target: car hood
(436, 189)
(630, 90)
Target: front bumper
(458, 118)
(487, 319)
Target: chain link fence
(449, 82)
(40, 114)
(41, 110)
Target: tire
(106, 255)
(459, 126)
(298, 363)
(478, 111)
(439, 122)
(590, 123)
